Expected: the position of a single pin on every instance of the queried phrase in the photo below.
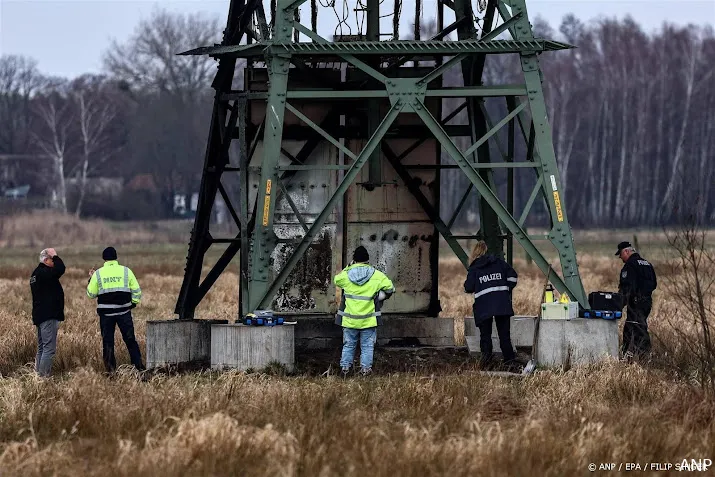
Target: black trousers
(635, 331)
(126, 327)
(485, 338)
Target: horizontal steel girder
(400, 47)
(299, 132)
(333, 95)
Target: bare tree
(563, 71)
(706, 146)
(169, 122)
(95, 114)
(55, 115)
(149, 60)
(693, 289)
(692, 51)
(167, 140)
(19, 80)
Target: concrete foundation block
(521, 330)
(416, 331)
(321, 332)
(244, 347)
(472, 344)
(578, 341)
(316, 332)
(178, 342)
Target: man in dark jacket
(48, 307)
(491, 280)
(637, 283)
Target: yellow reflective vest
(360, 307)
(116, 289)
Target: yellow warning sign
(268, 186)
(266, 209)
(559, 212)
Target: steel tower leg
(264, 238)
(215, 161)
(560, 234)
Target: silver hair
(630, 249)
(44, 255)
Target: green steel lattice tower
(344, 103)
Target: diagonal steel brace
(492, 200)
(315, 227)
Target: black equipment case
(606, 301)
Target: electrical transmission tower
(342, 143)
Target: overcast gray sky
(67, 38)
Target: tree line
(632, 119)
(631, 112)
(145, 116)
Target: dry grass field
(415, 417)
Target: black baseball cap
(621, 246)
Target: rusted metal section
(386, 219)
(401, 250)
(309, 287)
(391, 224)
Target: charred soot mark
(413, 241)
(311, 275)
(419, 263)
(390, 236)
(373, 237)
(405, 238)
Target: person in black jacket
(491, 280)
(48, 307)
(637, 283)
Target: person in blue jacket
(491, 280)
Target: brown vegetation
(421, 419)
(41, 227)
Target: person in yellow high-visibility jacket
(364, 290)
(117, 292)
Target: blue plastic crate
(601, 314)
